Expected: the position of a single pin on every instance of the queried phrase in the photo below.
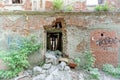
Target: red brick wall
(27, 5)
(77, 25)
(49, 5)
(114, 3)
(77, 6)
(104, 46)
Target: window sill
(94, 5)
(91, 5)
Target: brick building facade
(78, 31)
(45, 5)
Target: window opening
(16, 1)
(102, 34)
(54, 41)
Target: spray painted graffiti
(106, 42)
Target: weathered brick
(104, 49)
(49, 5)
(78, 6)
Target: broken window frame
(17, 2)
(9, 2)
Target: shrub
(77, 61)
(17, 59)
(86, 60)
(102, 7)
(57, 4)
(90, 60)
(110, 69)
(94, 74)
(69, 8)
(98, 8)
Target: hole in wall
(57, 25)
(102, 34)
(55, 36)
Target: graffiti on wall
(104, 45)
(106, 42)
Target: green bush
(105, 7)
(57, 4)
(89, 60)
(77, 61)
(110, 69)
(17, 59)
(94, 74)
(69, 8)
(98, 8)
(102, 7)
(86, 60)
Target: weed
(57, 4)
(110, 69)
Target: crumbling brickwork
(81, 31)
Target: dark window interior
(16, 1)
(54, 41)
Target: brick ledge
(94, 13)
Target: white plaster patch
(13, 18)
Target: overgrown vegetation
(102, 7)
(89, 60)
(57, 4)
(94, 74)
(111, 70)
(77, 61)
(17, 59)
(86, 61)
(69, 8)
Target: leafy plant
(90, 60)
(98, 8)
(105, 7)
(110, 69)
(8, 74)
(94, 74)
(69, 8)
(86, 60)
(77, 61)
(17, 59)
(102, 7)
(57, 4)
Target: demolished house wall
(81, 31)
